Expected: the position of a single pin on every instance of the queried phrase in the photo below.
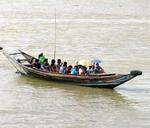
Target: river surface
(116, 31)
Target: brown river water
(116, 31)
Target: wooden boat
(99, 81)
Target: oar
(1, 48)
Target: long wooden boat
(99, 81)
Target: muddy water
(118, 32)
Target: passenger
(36, 64)
(59, 64)
(98, 69)
(63, 69)
(33, 62)
(75, 71)
(82, 70)
(41, 58)
(69, 68)
(65, 63)
(53, 66)
(53, 62)
(90, 70)
(46, 65)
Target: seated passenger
(98, 69)
(46, 65)
(82, 70)
(90, 70)
(69, 68)
(75, 71)
(36, 64)
(63, 69)
(53, 66)
(65, 63)
(59, 64)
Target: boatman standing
(41, 58)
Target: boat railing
(15, 53)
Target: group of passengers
(62, 67)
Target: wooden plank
(15, 53)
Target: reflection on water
(33, 99)
(44, 103)
(78, 91)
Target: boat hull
(98, 81)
